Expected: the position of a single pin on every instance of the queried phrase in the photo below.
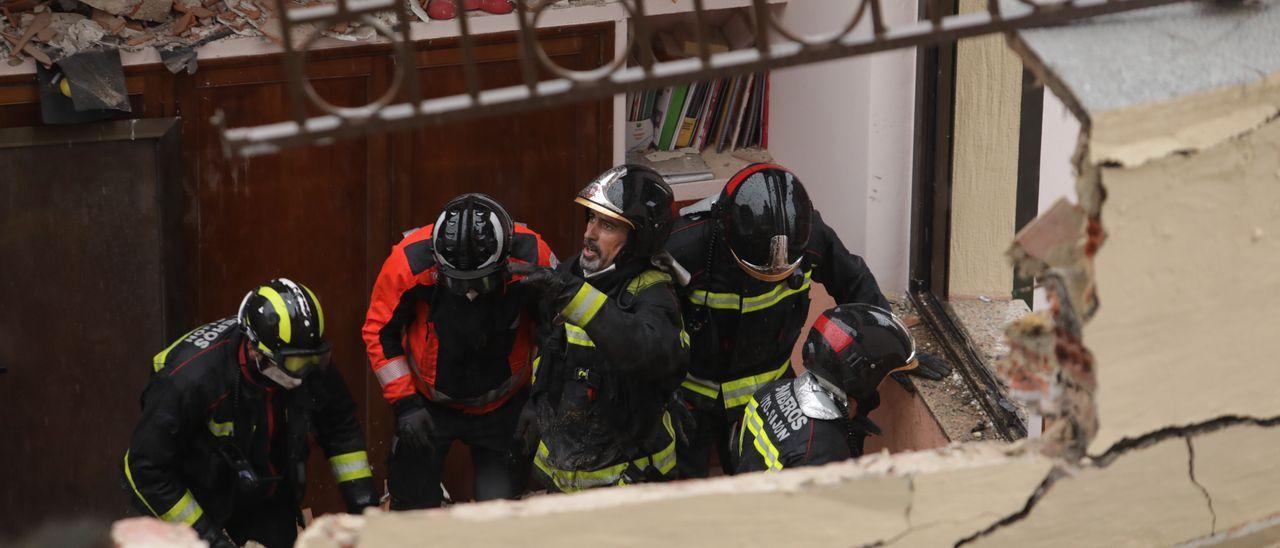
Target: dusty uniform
(607, 370)
(204, 406)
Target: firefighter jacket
(468, 355)
(742, 329)
(611, 361)
(206, 403)
(787, 424)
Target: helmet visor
(777, 271)
(910, 362)
(489, 283)
(300, 363)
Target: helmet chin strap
(281, 378)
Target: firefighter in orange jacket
(449, 335)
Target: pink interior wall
(907, 423)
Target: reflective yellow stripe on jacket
(351, 466)
(747, 305)
(186, 511)
(754, 423)
(570, 481)
(736, 392)
(222, 429)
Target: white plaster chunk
(146, 10)
(1238, 468)
(1144, 498)
(1187, 329)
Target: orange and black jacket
(203, 402)
(468, 355)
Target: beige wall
(1189, 278)
(985, 163)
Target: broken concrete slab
(1190, 281)
(1137, 101)
(877, 499)
(1178, 108)
(1144, 497)
(953, 505)
(1237, 467)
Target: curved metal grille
(776, 47)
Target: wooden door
(85, 301)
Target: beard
(594, 264)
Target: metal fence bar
(567, 86)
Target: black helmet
(637, 196)
(764, 212)
(471, 240)
(853, 346)
(283, 320)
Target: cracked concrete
(1191, 471)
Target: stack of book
(722, 115)
(725, 114)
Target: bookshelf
(699, 134)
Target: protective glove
(858, 429)
(548, 281)
(414, 426)
(525, 439)
(682, 418)
(931, 367)
(217, 538)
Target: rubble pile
(49, 30)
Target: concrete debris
(145, 10)
(50, 32)
(148, 531)
(83, 34)
(332, 531)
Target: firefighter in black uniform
(222, 442)
(752, 253)
(449, 334)
(805, 421)
(616, 350)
